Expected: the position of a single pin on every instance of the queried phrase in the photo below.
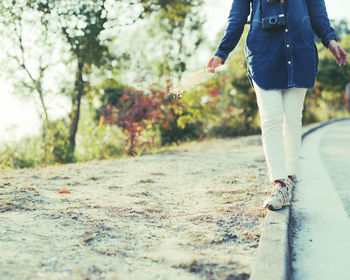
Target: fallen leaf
(64, 191)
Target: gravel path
(190, 213)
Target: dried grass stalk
(189, 82)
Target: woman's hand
(338, 52)
(214, 62)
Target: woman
(282, 62)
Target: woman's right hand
(214, 62)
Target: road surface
(320, 223)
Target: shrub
(136, 112)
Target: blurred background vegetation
(118, 85)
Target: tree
(83, 27)
(341, 27)
(182, 22)
(21, 50)
(331, 76)
(174, 33)
(327, 99)
(81, 24)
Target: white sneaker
(280, 196)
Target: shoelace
(283, 182)
(283, 191)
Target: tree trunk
(46, 127)
(75, 113)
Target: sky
(20, 117)
(219, 11)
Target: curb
(272, 260)
(308, 129)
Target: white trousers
(281, 121)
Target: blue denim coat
(279, 59)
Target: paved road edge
(272, 260)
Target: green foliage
(198, 105)
(116, 118)
(223, 106)
(231, 109)
(81, 23)
(39, 150)
(60, 149)
(327, 100)
(172, 13)
(95, 140)
(244, 96)
(25, 153)
(16, 155)
(341, 27)
(177, 30)
(175, 134)
(331, 76)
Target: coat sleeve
(320, 22)
(237, 19)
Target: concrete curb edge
(272, 260)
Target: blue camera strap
(271, 9)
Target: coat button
(287, 45)
(286, 30)
(289, 62)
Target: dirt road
(190, 213)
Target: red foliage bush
(135, 112)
